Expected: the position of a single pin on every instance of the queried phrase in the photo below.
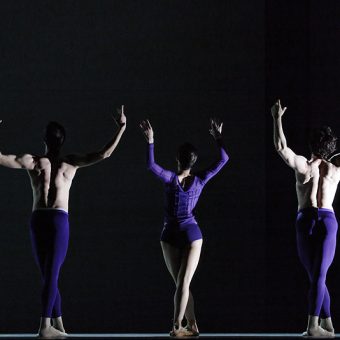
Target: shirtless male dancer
(51, 177)
(316, 226)
(181, 238)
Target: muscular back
(317, 179)
(317, 184)
(51, 180)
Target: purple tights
(316, 230)
(49, 234)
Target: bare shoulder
(42, 161)
(334, 167)
(39, 165)
(301, 164)
(39, 161)
(67, 170)
(335, 160)
(66, 164)
(302, 159)
(70, 160)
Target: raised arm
(25, 161)
(106, 151)
(296, 162)
(158, 171)
(216, 131)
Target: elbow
(104, 155)
(279, 147)
(224, 160)
(224, 157)
(149, 166)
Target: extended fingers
(215, 124)
(145, 125)
(148, 123)
(120, 111)
(142, 125)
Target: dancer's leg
(316, 251)
(325, 316)
(189, 262)
(49, 232)
(323, 259)
(172, 258)
(57, 321)
(53, 263)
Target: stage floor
(160, 335)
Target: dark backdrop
(302, 69)
(177, 63)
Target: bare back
(51, 181)
(317, 185)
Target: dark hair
(186, 156)
(54, 135)
(322, 142)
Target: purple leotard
(316, 230)
(180, 226)
(49, 234)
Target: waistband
(315, 210)
(39, 210)
(183, 221)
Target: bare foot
(57, 323)
(59, 328)
(193, 329)
(330, 330)
(50, 332)
(319, 332)
(327, 325)
(181, 332)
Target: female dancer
(181, 238)
(316, 226)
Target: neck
(315, 157)
(184, 172)
(52, 153)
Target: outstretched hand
(276, 110)
(215, 128)
(121, 119)
(147, 130)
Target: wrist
(218, 140)
(151, 141)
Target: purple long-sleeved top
(180, 203)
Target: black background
(176, 63)
(302, 68)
